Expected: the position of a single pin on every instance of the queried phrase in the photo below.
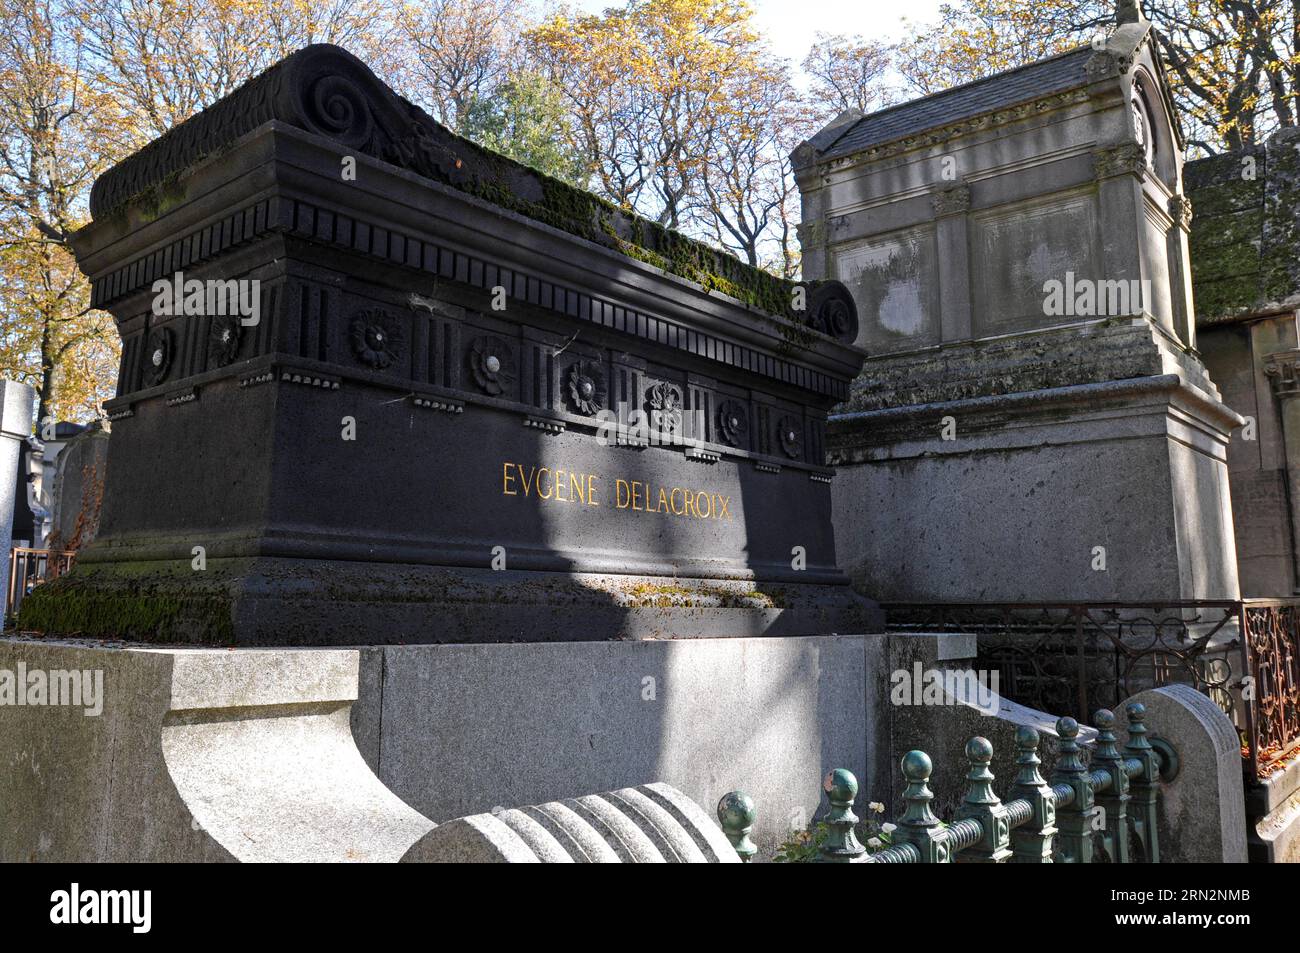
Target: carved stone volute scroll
(322, 89)
(832, 311)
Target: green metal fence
(1083, 814)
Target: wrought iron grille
(1271, 657)
(1075, 656)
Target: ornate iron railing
(1271, 700)
(1044, 822)
(1244, 654)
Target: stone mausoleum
(1034, 421)
(560, 474)
(570, 407)
(1077, 392)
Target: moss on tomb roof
(512, 185)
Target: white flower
(877, 807)
(874, 842)
(888, 828)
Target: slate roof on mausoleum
(1025, 84)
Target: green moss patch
(1245, 237)
(511, 185)
(124, 602)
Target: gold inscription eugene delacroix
(557, 485)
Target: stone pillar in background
(1282, 368)
(16, 405)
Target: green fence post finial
(841, 845)
(1070, 759)
(1140, 740)
(1074, 806)
(1146, 783)
(983, 805)
(918, 825)
(1032, 841)
(736, 815)
(1106, 740)
(1114, 797)
(1137, 729)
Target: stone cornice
(1102, 66)
(851, 437)
(246, 224)
(325, 91)
(646, 303)
(1068, 355)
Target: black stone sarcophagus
(380, 385)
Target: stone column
(1282, 368)
(17, 405)
(815, 248)
(1180, 276)
(814, 208)
(1120, 170)
(951, 208)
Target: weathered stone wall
(946, 216)
(1245, 244)
(294, 755)
(1235, 353)
(1012, 507)
(459, 729)
(1245, 239)
(194, 749)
